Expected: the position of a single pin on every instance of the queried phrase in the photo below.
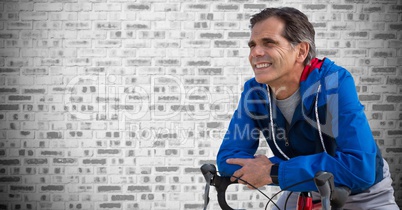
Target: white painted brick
(165, 25)
(34, 16)
(106, 7)
(66, 16)
(155, 16)
(76, 7)
(96, 16)
(53, 7)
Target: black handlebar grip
(336, 196)
(221, 185)
(339, 197)
(208, 168)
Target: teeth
(263, 65)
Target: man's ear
(303, 48)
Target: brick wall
(116, 104)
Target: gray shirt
(288, 105)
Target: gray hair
(297, 27)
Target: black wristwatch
(274, 173)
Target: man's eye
(268, 44)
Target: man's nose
(257, 51)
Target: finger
(236, 175)
(237, 161)
(260, 157)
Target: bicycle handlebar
(330, 195)
(220, 183)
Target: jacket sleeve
(242, 136)
(354, 162)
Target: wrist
(274, 173)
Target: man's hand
(255, 171)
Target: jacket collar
(309, 82)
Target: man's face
(271, 55)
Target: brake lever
(209, 172)
(330, 195)
(220, 183)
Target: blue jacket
(351, 152)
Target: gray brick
(36, 161)
(25, 188)
(397, 27)
(371, 80)
(238, 34)
(394, 99)
(319, 25)
(51, 153)
(383, 107)
(193, 206)
(137, 188)
(10, 179)
(254, 6)
(94, 161)
(395, 8)
(196, 7)
(19, 98)
(52, 188)
(109, 188)
(9, 107)
(138, 7)
(343, 7)
(8, 162)
(315, 7)
(198, 63)
(383, 53)
(211, 35)
(168, 62)
(122, 198)
(108, 151)
(369, 97)
(9, 90)
(226, 44)
(395, 132)
(391, 81)
(210, 71)
(371, 9)
(327, 35)
(384, 36)
(34, 91)
(384, 70)
(361, 34)
(9, 71)
(110, 205)
(65, 160)
(393, 150)
(227, 7)
(166, 169)
(328, 53)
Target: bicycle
(332, 197)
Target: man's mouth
(262, 65)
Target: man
(309, 113)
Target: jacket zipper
(266, 105)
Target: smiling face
(274, 60)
